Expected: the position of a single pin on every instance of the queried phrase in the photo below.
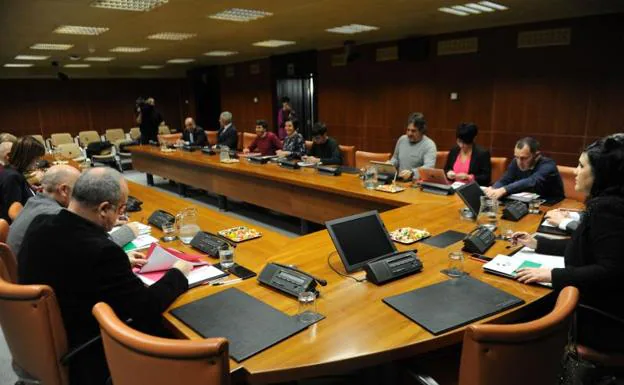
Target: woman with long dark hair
(594, 260)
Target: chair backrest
(567, 176)
(499, 166)
(170, 138)
(308, 145)
(135, 133)
(212, 137)
(4, 230)
(61, 138)
(40, 139)
(248, 138)
(34, 332)
(362, 158)
(9, 263)
(114, 134)
(189, 362)
(15, 209)
(70, 150)
(164, 130)
(518, 354)
(86, 137)
(348, 155)
(441, 157)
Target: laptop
(471, 194)
(386, 172)
(434, 180)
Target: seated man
(193, 134)
(414, 149)
(324, 149)
(72, 253)
(266, 143)
(530, 171)
(227, 135)
(57, 184)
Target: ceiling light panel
(129, 5)
(51, 47)
(496, 6)
(466, 9)
(352, 29)
(129, 49)
(180, 61)
(31, 57)
(479, 7)
(80, 30)
(151, 67)
(99, 58)
(273, 43)
(221, 53)
(18, 65)
(453, 11)
(77, 65)
(473, 8)
(240, 15)
(171, 36)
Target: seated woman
(294, 144)
(594, 262)
(13, 185)
(266, 143)
(467, 161)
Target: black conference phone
(515, 210)
(388, 268)
(329, 170)
(289, 163)
(133, 204)
(479, 240)
(160, 217)
(288, 279)
(209, 243)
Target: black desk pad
(249, 324)
(450, 304)
(445, 239)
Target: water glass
(506, 233)
(169, 230)
(456, 264)
(369, 178)
(307, 306)
(224, 155)
(226, 257)
(534, 206)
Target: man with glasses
(324, 149)
(414, 149)
(530, 171)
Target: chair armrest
(65, 360)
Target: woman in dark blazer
(594, 262)
(467, 161)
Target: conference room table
(359, 329)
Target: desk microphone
(320, 281)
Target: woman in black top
(594, 261)
(480, 168)
(13, 185)
(294, 144)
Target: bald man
(193, 134)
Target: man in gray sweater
(57, 184)
(414, 149)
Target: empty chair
(567, 175)
(441, 157)
(189, 362)
(248, 138)
(499, 166)
(7, 261)
(348, 155)
(71, 151)
(115, 135)
(62, 138)
(164, 130)
(87, 137)
(135, 133)
(169, 138)
(362, 158)
(104, 156)
(212, 137)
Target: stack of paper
(525, 197)
(507, 266)
(139, 243)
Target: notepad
(197, 276)
(140, 243)
(507, 266)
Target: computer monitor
(471, 194)
(360, 238)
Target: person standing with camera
(148, 119)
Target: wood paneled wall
(46, 106)
(566, 96)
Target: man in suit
(149, 119)
(193, 134)
(227, 135)
(72, 252)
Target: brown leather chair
(362, 158)
(4, 230)
(15, 209)
(441, 157)
(169, 138)
(188, 362)
(308, 145)
(499, 166)
(9, 263)
(248, 138)
(348, 155)
(34, 332)
(567, 176)
(212, 137)
(604, 360)
(239, 144)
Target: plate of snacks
(408, 235)
(389, 188)
(240, 233)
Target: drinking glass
(369, 178)
(169, 230)
(488, 213)
(224, 154)
(226, 257)
(307, 306)
(456, 264)
(534, 206)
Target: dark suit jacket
(79, 261)
(229, 138)
(595, 265)
(13, 188)
(480, 164)
(199, 136)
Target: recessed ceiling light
(51, 47)
(129, 49)
(453, 11)
(99, 58)
(479, 7)
(18, 65)
(352, 28)
(273, 43)
(180, 61)
(151, 67)
(466, 9)
(240, 14)
(496, 6)
(220, 53)
(77, 65)
(171, 36)
(31, 57)
(129, 5)
(80, 30)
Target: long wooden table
(359, 330)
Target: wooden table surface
(359, 330)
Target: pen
(222, 283)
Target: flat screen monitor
(359, 239)
(471, 194)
